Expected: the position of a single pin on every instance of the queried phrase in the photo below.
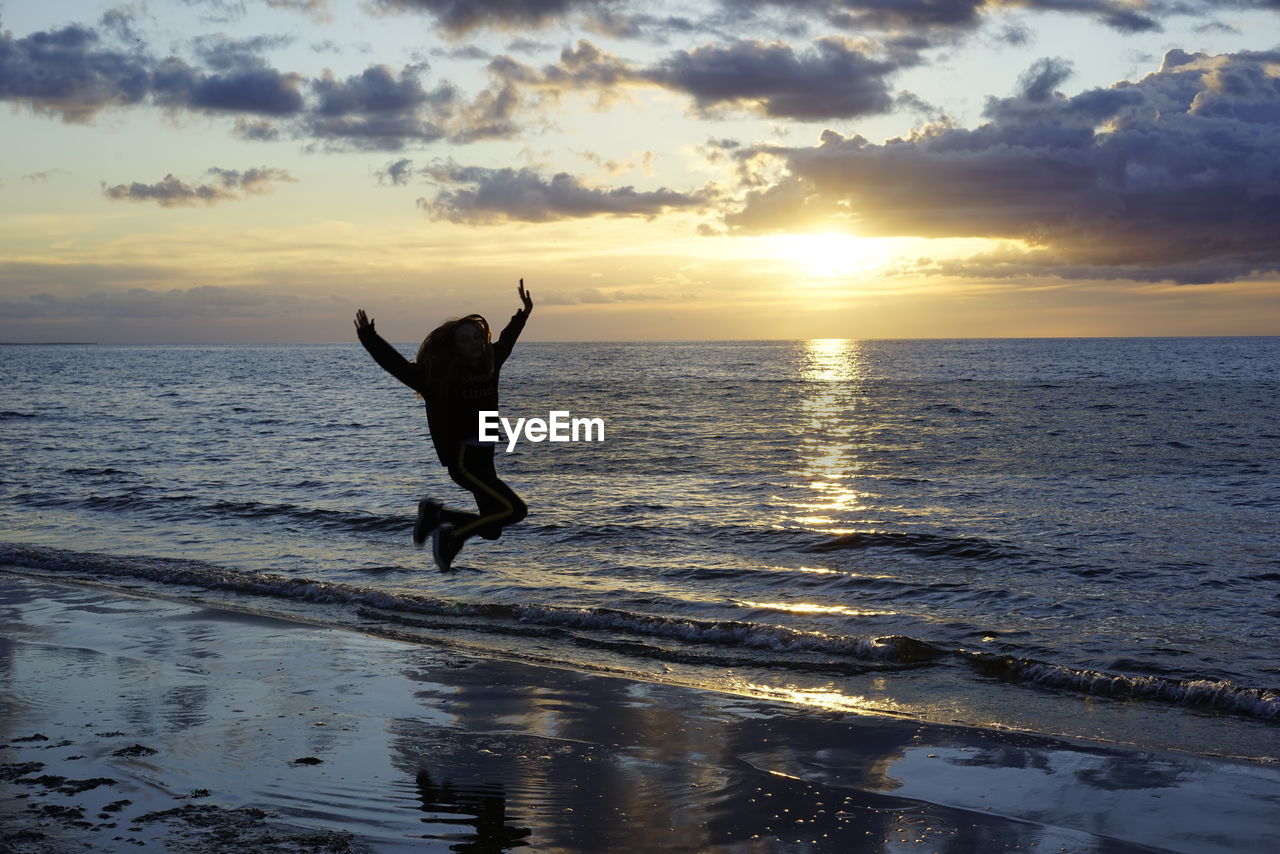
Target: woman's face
(468, 341)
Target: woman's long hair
(438, 364)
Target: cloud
(380, 108)
(77, 71)
(219, 11)
(610, 166)
(485, 196)
(528, 45)
(468, 51)
(260, 90)
(225, 54)
(635, 25)
(458, 17)
(397, 173)
(229, 185)
(1012, 262)
(74, 73)
(63, 71)
(940, 16)
(45, 175)
(835, 78)
(143, 303)
(1218, 27)
(79, 276)
(1175, 173)
(316, 10)
(613, 18)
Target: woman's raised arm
(384, 354)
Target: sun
(829, 255)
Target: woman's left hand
(526, 299)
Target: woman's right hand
(363, 322)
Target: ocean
(1072, 537)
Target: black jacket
(452, 415)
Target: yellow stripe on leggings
(466, 529)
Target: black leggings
(499, 506)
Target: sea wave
(1216, 694)
(927, 544)
(686, 639)
(176, 507)
(695, 632)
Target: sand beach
(134, 723)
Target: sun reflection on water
(811, 608)
(821, 698)
(826, 570)
(830, 372)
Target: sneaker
(428, 520)
(445, 546)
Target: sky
(214, 171)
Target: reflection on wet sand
(291, 730)
(583, 763)
(482, 807)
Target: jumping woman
(456, 374)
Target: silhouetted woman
(456, 373)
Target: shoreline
(217, 725)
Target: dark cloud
(260, 90)
(73, 73)
(225, 54)
(1040, 82)
(619, 24)
(1129, 21)
(77, 71)
(472, 194)
(910, 102)
(938, 16)
(528, 45)
(1015, 263)
(790, 17)
(228, 185)
(833, 79)
(1015, 35)
(461, 16)
(243, 81)
(397, 172)
(583, 66)
(884, 14)
(1176, 173)
(120, 23)
(469, 51)
(1218, 27)
(255, 180)
(68, 72)
(380, 108)
(328, 46)
(255, 130)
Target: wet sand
(129, 722)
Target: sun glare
(830, 255)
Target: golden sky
(220, 170)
